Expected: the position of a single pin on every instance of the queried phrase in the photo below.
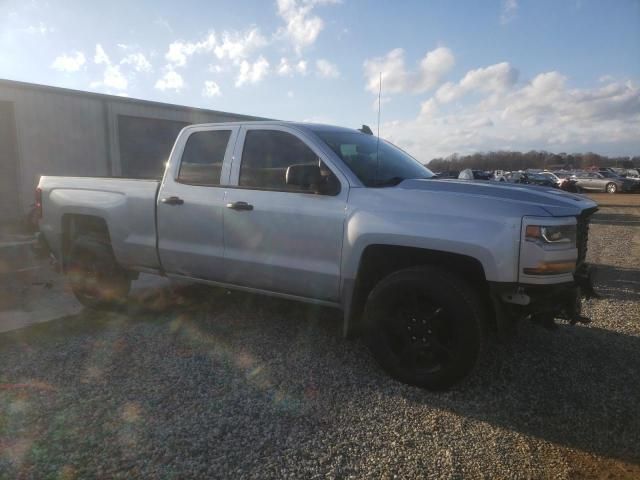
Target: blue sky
(458, 76)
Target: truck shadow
(617, 282)
(585, 396)
(576, 387)
(618, 219)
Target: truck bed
(128, 206)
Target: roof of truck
(314, 127)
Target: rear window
(203, 157)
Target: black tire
(425, 327)
(611, 188)
(96, 279)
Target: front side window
(375, 163)
(203, 157)
(266, 156)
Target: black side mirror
(308, 176)
(303, 175)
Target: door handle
(172, 201)
(240, 206)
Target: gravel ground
(208, 384)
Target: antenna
(378, 137)
(379, 103)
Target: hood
(554, 201)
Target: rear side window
(266, 156)
(203, 156)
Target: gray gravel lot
(202, 383)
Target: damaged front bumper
(542, 303)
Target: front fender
(494, 243)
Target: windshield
(389, 167)
(538, 176)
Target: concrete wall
(66, 132)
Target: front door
(278, 237)
(191, 201)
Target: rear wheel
(425, 327)
(97, 281)
(611, 188)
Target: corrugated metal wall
(61, 132)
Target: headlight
(558, 234)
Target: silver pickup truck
(422, 268)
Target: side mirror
(303, 175)
(309, 177)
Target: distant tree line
(506, 160)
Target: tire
(611, 188)
(425, 327)
(96, 279)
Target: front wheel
(611, 188)
(97, 281)
(425, 327)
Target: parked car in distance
(567, 183)
(603, 181)
(469, 174)
(542, 180)
(449, 174)
(421, 268)
(553, 177)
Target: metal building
(56, 131)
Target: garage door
(145, 145)
(10, 211)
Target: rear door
(583, 180)
(280, 238)
(191, 201)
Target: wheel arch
(379, 260)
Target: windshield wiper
(389, 182)
(393, 181)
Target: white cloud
(211, 89)
(171, 80)
(492, 79)
(138, 61)
(69, 62)
(509, 11)
(286, 68)
(543, 113)
(101, 56)
(252, 72)
(395, 77)
(428, 109)
(302, 25)
(112, 76)
(233, 46)
(236, 46)
(301, 67)
(326, 69)
(179, 51)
